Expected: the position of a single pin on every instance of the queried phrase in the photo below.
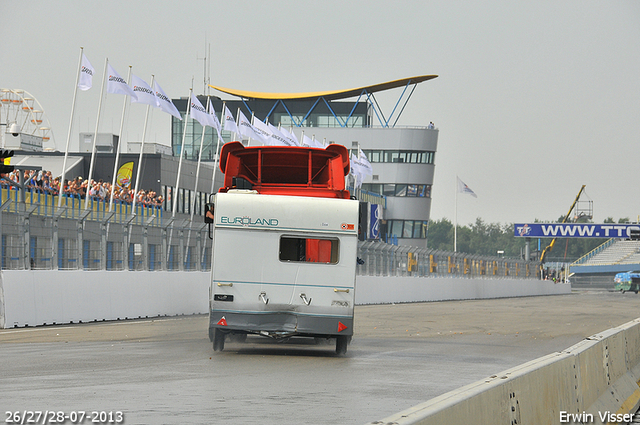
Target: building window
(409, 157)
(388, 189)
(402, 190)
(396, 228)
(408, 229)
(286, 121)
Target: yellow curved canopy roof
(329, 95)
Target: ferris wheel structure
(21, 113)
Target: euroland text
(605, 417)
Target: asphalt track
(164, 370)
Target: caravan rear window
(308, 250)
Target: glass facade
(191, 148)
(399, 189)
(404, 156)
(411, 229)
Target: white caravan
(282, 265)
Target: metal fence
(38, 235)
(381, 259)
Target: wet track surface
(164, 370)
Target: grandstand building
(403, 158)
(598, 268)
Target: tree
(440, 235)
(482, 238)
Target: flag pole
(217, 159)
(455, 220)
(195, 187)
(66, 149)
(115, 163)
(175, 197)
(237, 121)
(184, 135)
(95, 136)
(138, 171)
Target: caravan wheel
(341, 344)
(218, 340)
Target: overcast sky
(533, 99)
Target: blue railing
(44, 204)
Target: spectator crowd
(43, 182)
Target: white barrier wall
(381, 289)
(594, 381)
(37, 297)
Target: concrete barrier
(38, 297)
(392, 289)
(594, 381)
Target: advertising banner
(574, 230)
(374, 221)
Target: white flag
(164, 102)
(463, 188)
(366, 165)
(356, 171)
(116, 84)
(290, 137)
(214, 118)
(278, 138)
(316, 143)
(86, 74)
(263, 131)
(306, 140)
(198, 112)
(245, 128)
(144, 93)
(229, 121)
(360, 167)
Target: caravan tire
(341, 344)
(218, 340)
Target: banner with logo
(573, 230)
(290, 136)
(164, 102)
(144, 93)
(123, 178)
(116, 84)
(85, 80)
(246, 129)
(278, 138)
(375, 215)
(199, 113)
(263, 131)
(229, 121)
(214, 118)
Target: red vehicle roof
(286, 170)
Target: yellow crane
(564, 220)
